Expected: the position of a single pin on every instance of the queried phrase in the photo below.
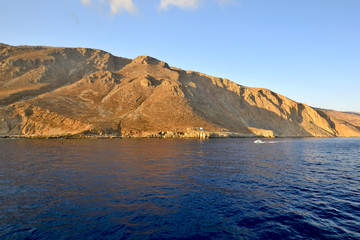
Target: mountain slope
(67, 91)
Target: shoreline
(199, 135)
(160, 134)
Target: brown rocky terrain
(49, 92)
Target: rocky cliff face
(48, 91)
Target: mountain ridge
(54, 91)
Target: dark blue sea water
(180, 189)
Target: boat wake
(258, 141)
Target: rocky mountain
(49, 91)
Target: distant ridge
(355, 113)
(82, 92)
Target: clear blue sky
(307, 50)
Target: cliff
(47, 91)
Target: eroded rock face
(47, 91)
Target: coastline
(162, 135)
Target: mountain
(50, 92)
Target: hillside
(48, 91)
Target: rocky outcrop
(49, 92)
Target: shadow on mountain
(229, 110)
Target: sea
(283, 188)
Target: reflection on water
(166, 189)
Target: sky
(307, 50)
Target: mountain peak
(150, 61)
